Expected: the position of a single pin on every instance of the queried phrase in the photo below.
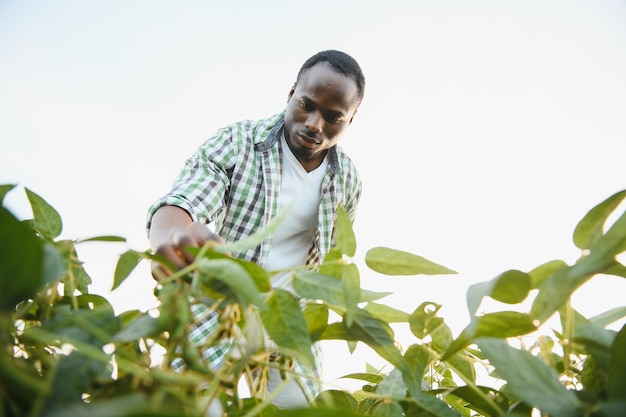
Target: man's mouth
(307, 140)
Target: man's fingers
(202, 233)
(194, 235)
(159, 271)
(173, 254)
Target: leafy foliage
(66, 352)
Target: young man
(242, 177)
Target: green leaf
(315, 286)
(141, 327)
(125, 405)
(351, 284)
(21, 382)
(367, 296)
(617, 369)
(253, 332)
(609, 316)
(556, 290)
(463, 365)
(477, 402)
(75, 278)
(442, 338)
(344, 235)
(337, 331)
(333, 263)
(590, 228)
(72, 378)
(387, 409)
(126, 264)
(316, 316)
(287, 327)
(502, 324)
(46, 219)
(336, 400)
(94, 327)
(616, 269)
(317, 412)
(613, 242)
(4, 189)
(393, 386)
(106, 238)
(545, 271)
(610, 409)
(430, 403)
(259, 274)
(419, 358)
(396, 262)
(26, 262)
(510, 287)
(231, 279)
(379, 336)
(173, 311)
(530, 379)
(587, 333)
(602, 254)
(385, 313)
(367, 377)
(603, 249)
(53, 263)
(254, 239)
(424, 319)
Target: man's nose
(314, 122)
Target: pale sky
(488, 128)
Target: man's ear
(293, 90)
(352, 118)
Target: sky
(487, 131)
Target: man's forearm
(163, 221)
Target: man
(249, 171)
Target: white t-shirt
(292, 241)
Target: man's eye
(305, 105)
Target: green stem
(123, 364)
(477, 390)
(27, 384)
(568, 334)
(267, 401)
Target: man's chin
(305, 155)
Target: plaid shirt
(233, 180)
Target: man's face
(320, 106)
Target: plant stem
(477, 390)
(568, 334)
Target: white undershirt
(292, 241)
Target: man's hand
(171, 233)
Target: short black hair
(340, 62)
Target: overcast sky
(488, 128)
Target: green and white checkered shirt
(233, 181)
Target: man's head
(321, 104)
(341, 63)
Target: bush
(65, 351)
